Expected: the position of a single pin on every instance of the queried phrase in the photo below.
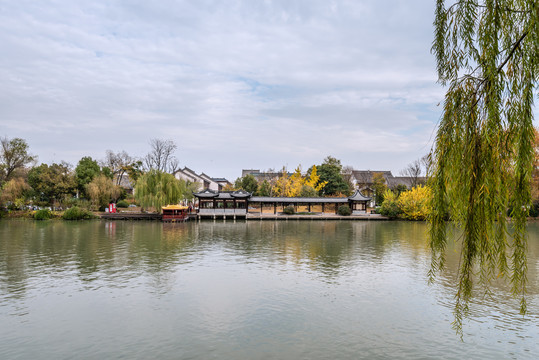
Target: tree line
(326, 179)
(91, 183)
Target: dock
(131, 216)
(248, 217)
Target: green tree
(247, 183)
(134, 171)
(14, 156)
(189, 188)
(330, 172)
(107, 172)
(53, 182)
(264, 188)
(308, 191)
(487, 56)
(87, 169)
(157, 189)
(390, 206)
(379, 186)
(399, 189)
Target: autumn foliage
(409, 205)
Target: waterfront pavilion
(211, 202)
(241, 202)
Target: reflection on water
(286, 289)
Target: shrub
(44, 214)
(76, 213)
(122, 204)
(390, 206)
(289, 210)
(344, 210)
(414, 203)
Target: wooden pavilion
(240, 203)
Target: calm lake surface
(244, 290)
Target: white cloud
(237, 84)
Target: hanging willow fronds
(156, 189)
(487, 55)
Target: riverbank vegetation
(26, 187)
(407, 205)
(76, 213)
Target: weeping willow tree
(487, 57)
(157, 189)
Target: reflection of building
(204, 180)
(239, 203)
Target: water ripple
(243, 290)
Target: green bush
(289, 210)
(390, 206)
(344, 210)
(81, 203)
(44, 214)
(122, 204)
(76, 213)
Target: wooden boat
(173, 213)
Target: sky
(235, 84)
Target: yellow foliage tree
(295, 183)
(313, 179)
(281, 185)
(414, 203)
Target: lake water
(245, 290)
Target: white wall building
(205, 181)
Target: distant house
(222, 182)
(205, 181)
(262, 175)
(125, 183)
(363, 179)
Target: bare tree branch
(161, 155)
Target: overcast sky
(236, 84)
